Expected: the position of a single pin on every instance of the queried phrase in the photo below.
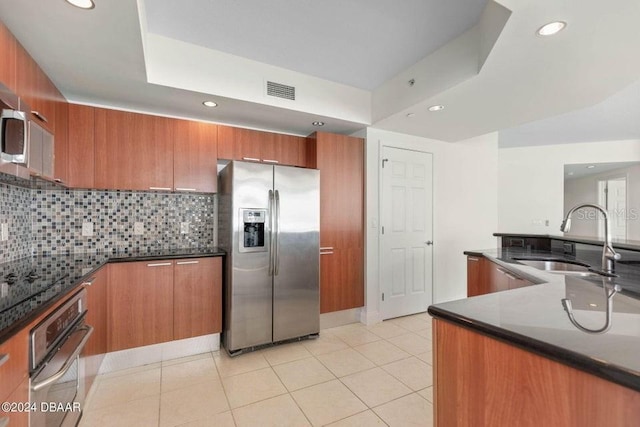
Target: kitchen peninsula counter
(56, 276)
(514, 357)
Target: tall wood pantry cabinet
(340, 160)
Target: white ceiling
(160, 56)
(576, 171)
(360, 43)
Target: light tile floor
(352, 375)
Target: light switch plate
(4, 232)
(4, 290)
(138, 228)
(87, 229)
(184, 228)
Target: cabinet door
(140, 304)
(19, 395)
(197, 297)
(498, 279)
(35, 88)
(81, 150)
(479, 275)
(34, 161)
(47, 154)
(61, 147)
(341, 162)
(195, 160)
(288, 149)
(133, 151)
(8, 46)
(13, 363)
(96, 347)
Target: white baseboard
(146, 355)
(340, 318)
(370, 317)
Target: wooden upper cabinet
(34, 87)
(340, 160)
(133, 151)
(197, 297)
(267, 147)
(61, 148)
(81, 146)
(8, 46)
(195, 156)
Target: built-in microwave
(14, 130)
(13, 136)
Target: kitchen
(477, 175)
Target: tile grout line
(224, 389)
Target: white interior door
(613, 196)
(406, 256)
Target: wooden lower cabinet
(197, 297)
(96, 347)
(484, 276)
(152, 302)
(14, 380)
(340, 270)
(139, 304)
(479, 381)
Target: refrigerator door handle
(271, 233)
(276, 261)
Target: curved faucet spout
(609, 255)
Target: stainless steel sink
(554, 265)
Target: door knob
(429, 242)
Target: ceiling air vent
(281, 91)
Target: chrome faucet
(608, 254)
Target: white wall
(531, 181)
(465, 208)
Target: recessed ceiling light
(318, 123)
(436, 108)
(209, 104)
(592, 304)
(411, 115)
(551, 28)
(82, 4)
(591, 166)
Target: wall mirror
(615, 186)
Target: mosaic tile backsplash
(51, 221)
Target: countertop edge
(612, 373)
(7, 333)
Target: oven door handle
(87, 331)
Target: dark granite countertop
(534, 319)
(36, 283)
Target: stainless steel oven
(56, 372)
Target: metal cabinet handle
(326, 253)
(160, 188)
(473, 259)
(270, 161)
(251, 159)
(159, 264)
(187, 262)
(39, 116)
(509, 275)
(89, 282)
(4, 358)
(185, 189)
(327, 248)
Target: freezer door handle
(276, 261)
(271, 234)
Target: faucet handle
(617, 256)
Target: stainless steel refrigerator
(269, 225)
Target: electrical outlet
(87, 229)
(184, 228)
(138, 228)
(4, 290)
(4, 232)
